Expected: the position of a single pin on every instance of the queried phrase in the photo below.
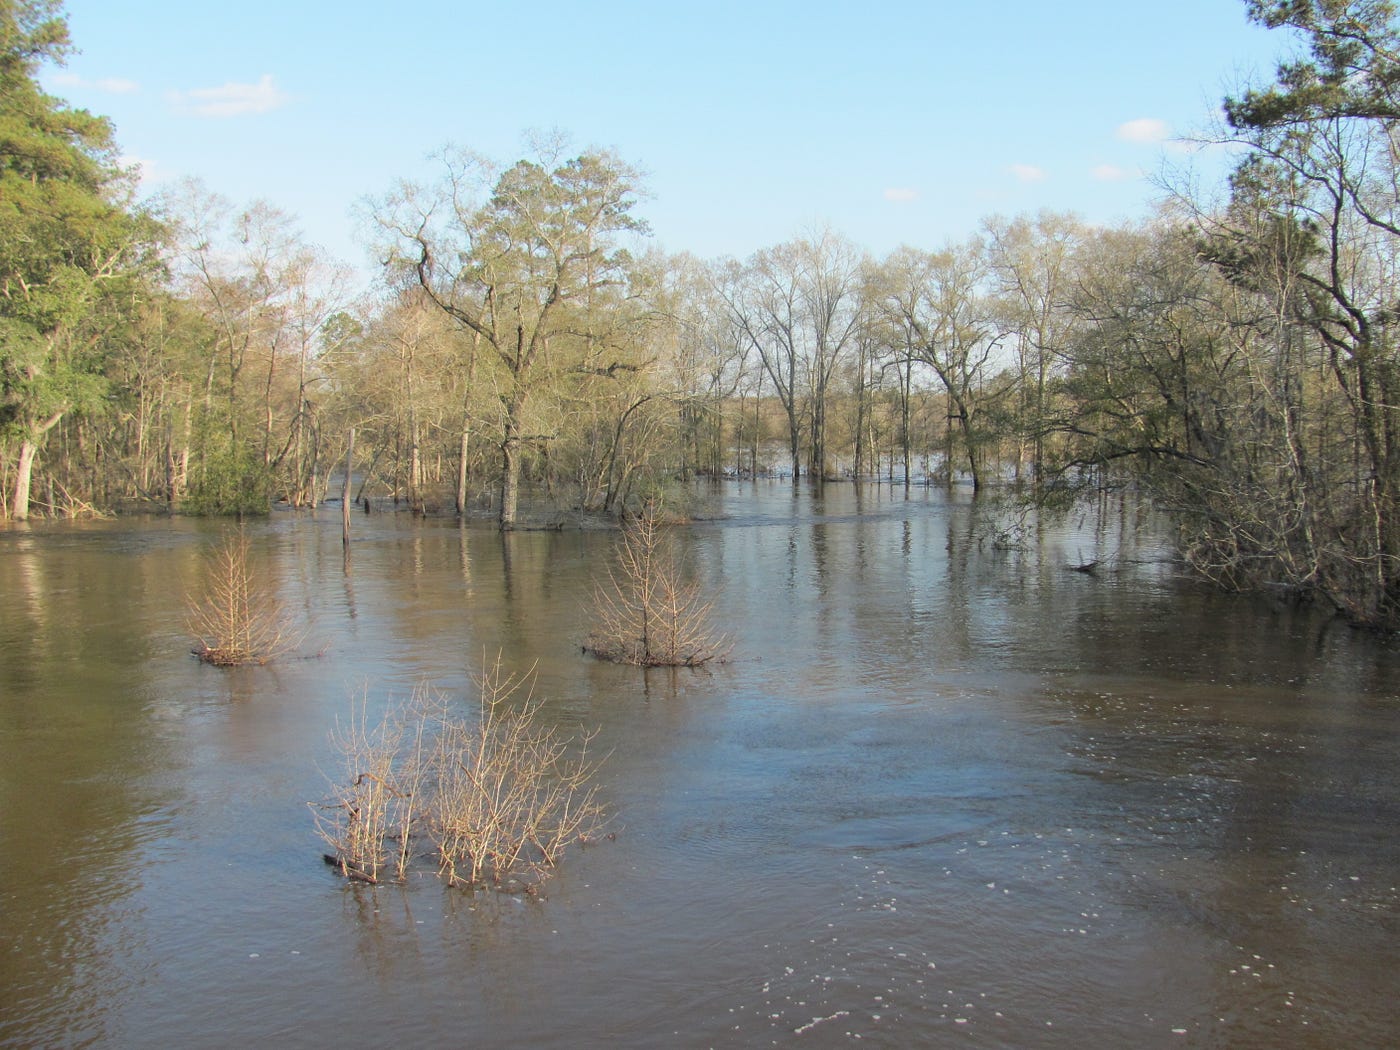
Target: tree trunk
(415, 468)
(23, 472)
(345, 494)
(24, 469)
(510, 481)
(906, 382)
(510, 459)
(819, 465)
(973, 453)
(858, 466)
(462, 472)
(948, 447)
(794, 444)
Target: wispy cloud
(1112, 173)
(110, 85)
(1144, 129)
(901, 194)
(232, 99)
(1027, 172)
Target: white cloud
(1112, 173)
(231, 99)
(111, 85)
(901, 194)
(1144, 129)
(1027, 172)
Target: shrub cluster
(493, 798)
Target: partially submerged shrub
(644, 612)
(492, 800)
(235, 619)
(368, 821)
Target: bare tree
(764, 304)
(645, 612)
(236, 618)
(937, 303)
(1032, 261)
(831, 293)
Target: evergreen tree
(64, 233)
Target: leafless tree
(645, 612)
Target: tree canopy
(1236, 364)
(63, 230)
(1352, 68)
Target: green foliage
(1353, 69)
(63, 230)
(535, 275)
(231, 481)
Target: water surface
(947, 792)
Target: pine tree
(64, 233)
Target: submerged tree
(645, 612)
(1033, 260)
(235, 618)
(936, 305)
(798, 307)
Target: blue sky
(890, 122)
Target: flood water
(944, 793)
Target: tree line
(526, 347)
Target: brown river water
(944, 793)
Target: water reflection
(78, 727)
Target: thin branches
(237, 620)
(495, 799)
(645, 613)
(367, 821)
(511, 792)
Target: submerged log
(350, 872)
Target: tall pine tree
(63, 233)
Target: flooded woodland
(945, 790)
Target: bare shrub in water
(235, 619)
(644, 612)
(493, 799)
(368, 820)
(511, 792)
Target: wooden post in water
(345, 496)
